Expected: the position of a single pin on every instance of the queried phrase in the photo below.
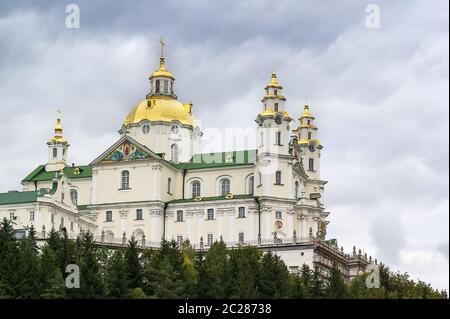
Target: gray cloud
(380, 97)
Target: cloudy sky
(380, 96)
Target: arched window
(251, 185)
(169, 185)
(74, 196)
(157, 86)
(224, 186)
(196, 189)
(278, 178)
(55, 152)
(125, 180)
(174, 153)
(296, 190)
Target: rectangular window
(179, 216)
(311, 165)
(210, 239)
(278, 215)
(276, 107)
(31, 216)
(55, 153)
(309, 135)
(52, 218)
(278, 138)
(241, 238)
(275, 92)
(109, 216)
(139, 214)
(12, 215)
(179, 240)
(210, 214)
(71, 226)
(241, 212)
(278, 178)
(166, 87)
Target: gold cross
(58, 110)
(162, 46)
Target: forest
(176, 272)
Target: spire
(162, 62)
(162, 71)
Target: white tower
(309, 144)
(57, 149)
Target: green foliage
(176, 271)
(116, 280)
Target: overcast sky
(380, 96)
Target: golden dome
(307, 113)
(274, 82)
(161, 109)
(162, 70)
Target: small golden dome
(162, 70)
(307, 113)
(274, 82)
(161, 109)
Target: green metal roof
(222, 159)
(40, 175)
(210, 199)
(18, 197)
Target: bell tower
(309, 144)
(57, 149)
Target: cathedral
(155, 183)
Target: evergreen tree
(56, 288)
(317, 288)
(200, 285)
(91, 281)
(244, 264)
(336, 286)
(217, 274)
(132, 265)
(273, 281)
(116, 278)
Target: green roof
(18, 197)
(40, 175)
(222, 159)
(210, 199)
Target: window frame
(311, 165)
(125, 180)
(196, 188)
(108, 216)
(180, 216)
(278, 179)
(210, 214)
(139, 214)
(225, 189)
(241, 212)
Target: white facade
(141, 186)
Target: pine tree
(273, 281)
(336, 287)
(317, 288)
(244, 263)
(91, 281)
(116, 277)
(132, 265)
(217, 274)
(56, 288)
(189, 272)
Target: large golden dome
(161, 109)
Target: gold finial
(58, 127)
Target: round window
(175, 129)
(145, 128)
(278, 120)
